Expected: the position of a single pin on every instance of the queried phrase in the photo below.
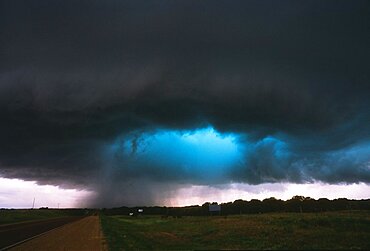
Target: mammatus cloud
(85, 87)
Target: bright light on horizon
(197, 194)
(17, 193)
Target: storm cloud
(84, 84)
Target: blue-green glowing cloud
(203, 153)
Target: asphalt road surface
(13, 233)
(81, 235)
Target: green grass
(336, 230)
(8, 216)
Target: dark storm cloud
(75, 75)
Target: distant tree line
(296, 204)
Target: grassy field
(335, 230)
(8, 216)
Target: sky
(111, 103)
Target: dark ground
(13, 233)
(344, 230)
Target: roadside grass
(334, 230)
(8, 216)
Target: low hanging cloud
(289, 80)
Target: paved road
(81, 235)
(13, 233)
